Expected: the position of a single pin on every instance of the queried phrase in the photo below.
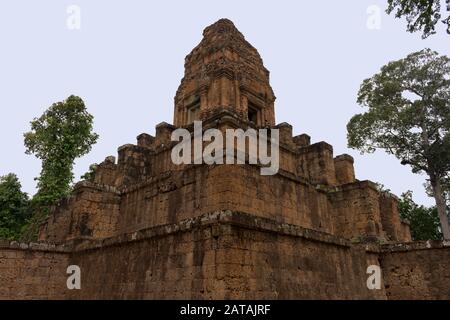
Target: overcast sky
(127, 59)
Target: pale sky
(127, 59)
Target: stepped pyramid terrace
(146, 228)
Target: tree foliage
(90, 175)
(63, 133)
(420, 14)
(13, 207)
(408, 116)
(424, 222)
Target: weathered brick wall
(177, 195)
(165, 266)
(224, 256)
(395, 228)
(36, 272)
(417, 271)
(351, 211)
(318, 163)
(290, 264)
(345, 172)
(283, 197)
(91, 212)
(172, 197)
(356, 210)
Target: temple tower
(224, 72)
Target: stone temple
(145, 228)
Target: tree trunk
(441, 206)
(435, 181)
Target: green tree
(420, 14)
(408, 116)
(424, 222)
(13, 207)
(90, 175)
(63, 133)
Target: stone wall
(33, 272)
(396, 229)
(225, 255)
(417, 270)
(283, 197)
(361, 212)
(92, 211)
(355, 210)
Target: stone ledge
(227, 217)
(167, 174)
(365, 184)
(290, 176)
(238, 219)
(95, 186)
(43, 246)
(267, 225)
(415, 246)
